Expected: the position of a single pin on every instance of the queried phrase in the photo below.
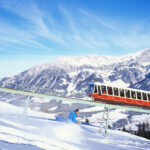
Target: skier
(73, 115)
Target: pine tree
(147, 126)
(124, 129)
(139, 130)
(109, 127)
(143, 129)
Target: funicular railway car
(117, 95)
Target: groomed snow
(37, 132)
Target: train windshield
(91, 88)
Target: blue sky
(37, 31)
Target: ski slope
(41, 131)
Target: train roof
(98, 83)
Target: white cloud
(76, 28)
(133, 38)
(99, 20)
(10, 34)
(36, 28)
(81, 34)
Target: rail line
(74, 100)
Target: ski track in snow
(37, 132)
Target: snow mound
(69, 132)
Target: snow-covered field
(39, 131)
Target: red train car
(117, 95)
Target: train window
(127, 93)
(103, 89)
(116, 91)
(139, 95)
(121, 92)
(133, 94)
(99, 90)
(109, 89)
(148, 96)
(144, 96)
(95, 89)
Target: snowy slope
(36, 132)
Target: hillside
(39, 131)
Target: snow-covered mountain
(41, 131)
(143, 84)
(70, 76)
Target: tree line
(143, 130)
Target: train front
(91, 90)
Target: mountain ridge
(71, 75)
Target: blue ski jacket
(72, 116)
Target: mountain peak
(98, 60)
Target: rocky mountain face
(143, 84)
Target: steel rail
(74, 100)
